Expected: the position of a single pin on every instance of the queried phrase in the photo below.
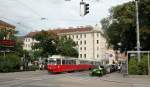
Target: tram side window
(58, 61)
(69, 61)
(63, 62)
(74, 61)
(81, 62)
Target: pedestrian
(119, 68)
(40, 66)
(43, 66)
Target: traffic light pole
(137, 30)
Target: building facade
(6, 27)
(90, 42)
(28, 43)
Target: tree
(120, 26)
(35, 54)
(47, 43)
(66, 47)
(12, 59)
(50, 44)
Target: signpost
(7, 42)
(6, 46)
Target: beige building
(91, 44)
(28, 42)
(4, 26)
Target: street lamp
(137, 30)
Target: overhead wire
(33, 11)
(18, 23)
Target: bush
(10, 63)
(138, 68)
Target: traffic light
(86, 9)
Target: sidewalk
(134, 80)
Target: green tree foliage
(12, 59)
(9, 63)
(47, 43)
(4, 32)
(120, 26)
(36, 54)
(138, 68)
(66, 47)
(50, 44)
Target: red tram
(57, 65)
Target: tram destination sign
(7, 42)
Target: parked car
(98, 72)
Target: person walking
(119, 68)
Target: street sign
(7, 42)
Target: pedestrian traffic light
(86, 9)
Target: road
(75, 79)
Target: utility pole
(137, 30)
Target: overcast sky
(26, 14)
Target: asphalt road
(75, 79)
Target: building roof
(69, 30)
(4, 24)
(31, 34)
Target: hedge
(138, 68)
(9, 63)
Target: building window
(28, 46)
(84, 35)
(97, 48)
(97, 34)
(80, 42)
(80, 35)
(80, 48)
(77, 42)
(76, 36)
(84, 55)
(84, 48)
(80, 55)
(97, 41)
(68, 36)
(85, 42)
(72, 36)
(97, 55)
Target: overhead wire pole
(137, 31)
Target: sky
(35, 15)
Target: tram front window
(52, 61)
